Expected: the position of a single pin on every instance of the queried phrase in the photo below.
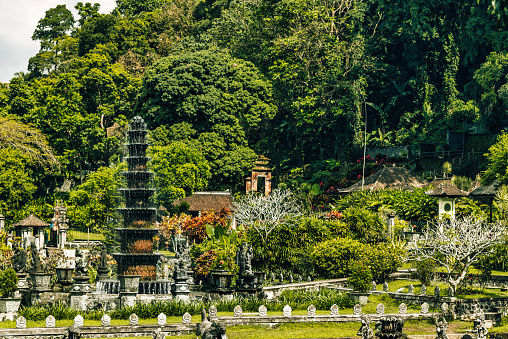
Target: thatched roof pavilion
(386, 178)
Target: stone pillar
(41, 238)
(268, 183)
(62, 238)
(248, 184)
(2, 222)
(391, 223)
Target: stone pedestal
(180, 289)
(103, 273)
(129, 283)
(127, 299)
(222, 281)
(41, 282)
(79, 291)
(248, 283)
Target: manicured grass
(76, 234)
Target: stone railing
(496, 281)
(187, 327)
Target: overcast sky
(18, 19)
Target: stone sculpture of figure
(158, 334)
(244, 256)
(81, 263)
(19, 259)
(365, 331)
(248, 260)
(441, 328)
(217, 330)
(73, 332)
(204, 325)
(186, 256)
(36, 259)
(104, 257)
(479, 326)
(240, 257)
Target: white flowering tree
(456, 244)
(266, 213)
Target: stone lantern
(447, 194)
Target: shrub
(361, 276)
(8, 282)
(211, 255)
(384, 259)
(364, 225)
(332, 258)
(286, 244)
(424, 270)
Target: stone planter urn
(260, 277)
(360, 297)
(41, 281)
(222, 280)
(64, 275)
(129, 283)
(9, 305)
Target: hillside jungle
(307, 83)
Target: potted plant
(9, 284)
(361, 281)
(63, 270)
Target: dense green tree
(93, 203)
(179, 170)
(316, 61)
(16, 183)
(225, 100)
(134, 7)
(498, 161)
(56, 23)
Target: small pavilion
(486, 192)
(446, 193)
(31, 230)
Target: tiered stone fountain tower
(137, 260)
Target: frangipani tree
(456, 244)
(266, 213)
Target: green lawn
(75, 234)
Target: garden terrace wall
(183, 329)
(458, 307)
(497, 281)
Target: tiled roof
(31, 221)
(446, 190)
(207, 201)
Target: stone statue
(104, 257)
(81, 263)
(19, 259)
(441, 328)
(73, 332)
(36, 260)
(158, 334)
(479, 325)
(217, 330)
(365, 331)
(244, 256)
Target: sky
(18, 19)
